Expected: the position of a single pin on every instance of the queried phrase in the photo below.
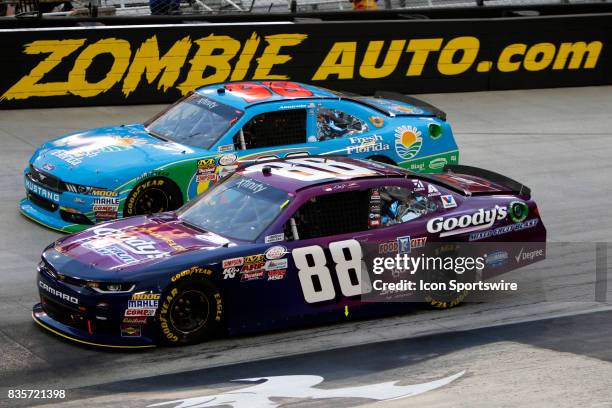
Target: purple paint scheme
(261, 235)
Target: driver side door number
(316, 278)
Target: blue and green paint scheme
(115, 160)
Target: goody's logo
(408, 141)
(480, 220)
(43, 192)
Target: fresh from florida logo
(408, 141)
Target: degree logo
(408, 141)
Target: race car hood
(135, 242)
(110, 155)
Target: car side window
(333, 123)
(269, 129)
(330, 214)
(390, 205)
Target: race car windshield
(195, 121)
(240, 208)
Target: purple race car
(278, 243)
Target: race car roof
(297, 173)
(244, 94)
(294, 174)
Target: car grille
(62, 313)
(75, 218)
(42, 202)
(71, 316)
(47, 180)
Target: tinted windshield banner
(117, 65)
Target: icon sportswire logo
(303, 387)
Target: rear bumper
(83, 337)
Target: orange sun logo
(408, 141)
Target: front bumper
(83, 337)
(77, 313)
(63, 210)
(48, 219)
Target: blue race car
(108, 173)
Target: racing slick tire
(382, 159)
(446, 298)
(190, 311)
(153, 195)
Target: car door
(268, 132)
(336, 234)
(276, 132)
(324, 239)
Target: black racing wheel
(445, 297)
(152, 196)
(190, 311)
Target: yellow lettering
(578, 51)
(244, 61)
(77, 81)
(204, 58)
(147, 60)
(504, 63)
(421, 49)
(469, 47)
(539, 56)
(368, 68)
(271, 56)
(29, 85)
(340, 60)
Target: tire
(446, 299)
(382, 159)
(190, 311)
(154, 195)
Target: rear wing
(440, 114)
(509, 185)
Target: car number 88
(315, 277)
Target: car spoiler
(509, 185)
(440, 114)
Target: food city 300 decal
(136, 65)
